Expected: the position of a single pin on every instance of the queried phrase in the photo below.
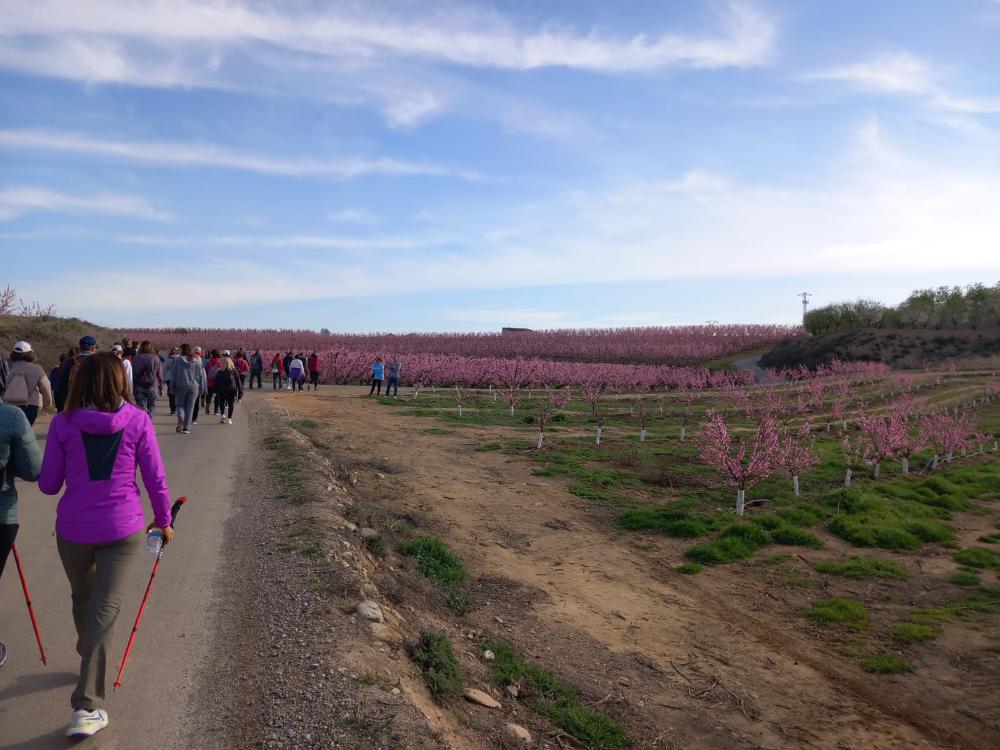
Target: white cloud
(875, 211)
(461, 35)
(352, 216)
(518, 318)
(16, 201)
(909, 75)
(181, 154)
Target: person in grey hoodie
(188, 380)
(21, 458)
(168, 374)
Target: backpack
(224, 380)
(17, 389)
(211, 371)
(145, 376)
(4, 373)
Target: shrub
(689, 568)
(885, 664)
(965, 578)
(802, 515)
(436, 658)
(847, 612)
(864, 567)
(434, 560)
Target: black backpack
(224, 380)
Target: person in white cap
(28, 385)
(119, 352)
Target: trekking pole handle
(176, 508)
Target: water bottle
(154, 542)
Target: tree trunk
(845, 425)
(642, 435)
(598, 440)
(541, 438)
(847, 478)
(950, 456)
(795, 485)
(934, 462)
(459, 410)
(740, 501)
(683, 430)
(512, 410)
(906, 465)
(878, 470)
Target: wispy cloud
(16, 201)
(908, 75)
(352, 216)
(181, 154)
(462, 35)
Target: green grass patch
(912, 632)
(434, 654)
(965, 578)
(558, 701)
(867, 519)
(434, 560)
(864, 567)
(990, 539)
(304, 424)
(459, 601)
(689, 569)
(885, 664)
(675, 523)
(978, 557)
(744, 539)
(437, 431)
(848, 613)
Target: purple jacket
(95, 453)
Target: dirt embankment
(900, 348)
(715, 661)
(50, 336)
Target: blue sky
(463, 166)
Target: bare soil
(724, 659)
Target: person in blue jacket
(378, 374)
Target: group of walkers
(289, 371)
(387, 373)
(95, 444)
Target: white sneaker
(86, 723)
(229, 420)
(222, 420)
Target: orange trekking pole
(174, 510)
(27, 600)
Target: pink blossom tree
(743, 464)
(855, 453)
(593, 394)
(556, 399)
(798, 453)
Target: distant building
(508, 329)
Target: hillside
(901, 348)
(49, 335)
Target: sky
(399, 166)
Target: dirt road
(150, 708)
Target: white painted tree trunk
(878, 470)
(541, 438)
(795, 485)
(512, 410)
(949, 457)
(642, 436)
(847, 478)
(740, 501)
(598, 440)
(845, 425)
(995, 444)
(459, 410)
(683, 431)
(906, 465)
(934, 462)
(963, 451)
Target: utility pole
(805, 303)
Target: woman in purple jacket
(94, 447)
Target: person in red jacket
(277, 372)
(313, 367)
(212, 366)
(242, 367)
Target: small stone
(489, 655)
(380, 475)
(513, 691)
(370, 611)
(394, 691)
(478, 696)
(369, 534)
(518, 733)
(352, 527)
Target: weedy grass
(885, 664)
(860, 568)
(965, 578)
(848, 613)
(434, 560)
(912, 632)
(558, 701)
(744, 539)
(689, 569)
(978, 557)
(435, 656)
